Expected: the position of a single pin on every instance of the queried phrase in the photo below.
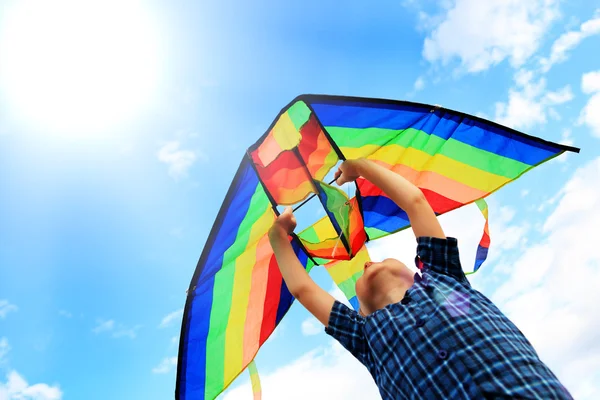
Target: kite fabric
(255, 380)
(237, 296)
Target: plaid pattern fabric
(444, 340)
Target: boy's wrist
(361, 165)
(277, 232)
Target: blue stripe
(236, 212)
(382, 213)
(194, 355)
(441, 123)
(480, 257)
(354, 303)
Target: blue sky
(121, 127)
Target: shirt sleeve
(348, 327)
(440, 256)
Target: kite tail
(255, 380)
(484, 243)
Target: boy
(428, 336)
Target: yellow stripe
(341, 271)
(234, 335)
(285, 133)
(324, 229)
(420, 161)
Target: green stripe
(321, 261)
(336, 204)
(375, 233)
(348, 287)
(430, 144)
(223, 290)
(309, 235)
(481, 203)
(299, 114)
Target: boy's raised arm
(316, 300)
(402, 192)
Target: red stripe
(310, 133)
(485, 240)
(271, 300)
(439, 203)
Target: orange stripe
(435, 182)
(285, 197)
(323, 156)
(258, 291)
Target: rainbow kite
(237, 296)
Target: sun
(78, 66)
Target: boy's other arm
(402, 192)
(316, 300)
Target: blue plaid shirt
(444, 340)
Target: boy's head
(382, 283)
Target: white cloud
(17, 388)
(568, 41)
(104, 326)
(484, 33)
(590, 115)
(553, 287)
(169, 319)
(165, 366)
(179, 161)
(6, 307)
(116, 330)
(419, 84)
(529, 103)
(325, 373)
(4, 348)
(311, 327)
(590, 82)
(65, 313)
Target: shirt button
(442, 354)
(420, 322)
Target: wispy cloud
(4, 348)
(178, 160)
(169, 319)
(165, 366)
(568, 41)
(116, 330)
(104, 326)
(419, 84)
(495, 30)
(590, 115)
(65, 313)
(311, 327)
(6, 307)
(529, 102)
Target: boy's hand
(348, 171)
(286, 222)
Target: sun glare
(78, 66)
